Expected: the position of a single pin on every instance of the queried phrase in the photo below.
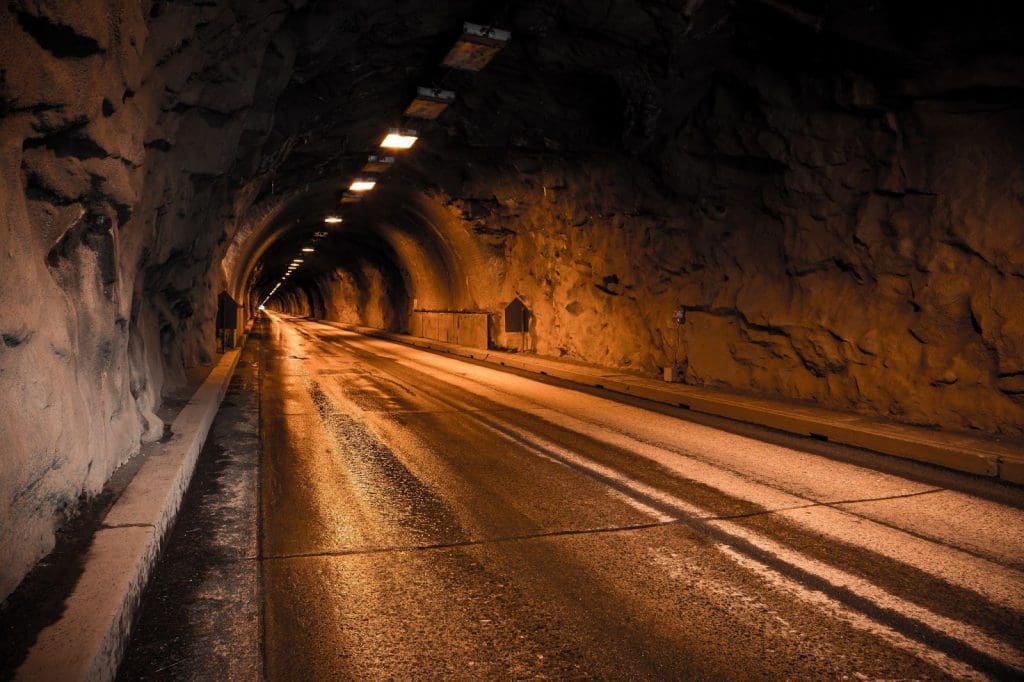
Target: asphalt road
(426, 517)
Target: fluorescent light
(307, 249)
(297, 260)
(399, 139)
(362, 185)
(332, 219)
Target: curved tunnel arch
(401, 246)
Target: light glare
(362, 185)
(399, 139)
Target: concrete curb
(88, 641)
(954, 451)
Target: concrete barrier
(88, 641)
(460, 328)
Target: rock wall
(825, 248)
(117, 130)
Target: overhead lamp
(477, 47)
(332, 219)
(429, 103)
(362, 185)
(307, 249)
(378, 164)
(398, 138)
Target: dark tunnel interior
(819, 201)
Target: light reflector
(399, 139)
(477, 47)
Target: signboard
(517, 316)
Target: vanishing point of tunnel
(511, 339)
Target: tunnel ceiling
(578, 79)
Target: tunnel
(795, 222)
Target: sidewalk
(87, 639)
(962, 452)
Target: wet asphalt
(406, 515)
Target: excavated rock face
(833, 192)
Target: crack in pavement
(558, 533)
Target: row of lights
(472, 52)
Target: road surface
(423, 516)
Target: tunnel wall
(825, 247)
(117, 132)
(365, 295)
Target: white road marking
(729, 482)
(1000, 584)
(856, 619)
(969, 635)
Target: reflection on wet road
(427, 517)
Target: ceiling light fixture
(307, 249)
(399, 139)
(378, 164)
(477, 47)
(362, 185)
(332, 219)
(429, 103)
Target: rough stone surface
(832, 191)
